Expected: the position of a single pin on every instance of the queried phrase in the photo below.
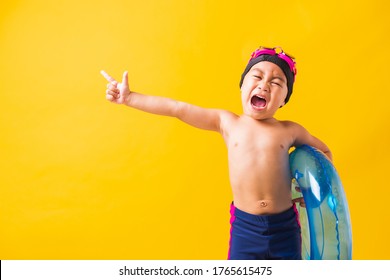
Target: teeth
(260, 97)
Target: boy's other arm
(119, 93)
(302, 137)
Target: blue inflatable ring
(325, 221)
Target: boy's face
(263, 90)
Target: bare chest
(253, 138)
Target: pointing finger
(108, 77)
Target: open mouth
(258, 102)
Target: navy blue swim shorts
(264, 237)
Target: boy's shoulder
(291, 125)
(288, 123)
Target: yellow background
(81, 178)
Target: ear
(284, 103)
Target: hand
(117, 93)
(299, 199)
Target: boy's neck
(265, 120)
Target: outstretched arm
(199, 117)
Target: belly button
(263, 204)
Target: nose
(263, 85)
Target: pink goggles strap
(283, 56)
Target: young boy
(264, 222)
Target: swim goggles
(280, 53)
